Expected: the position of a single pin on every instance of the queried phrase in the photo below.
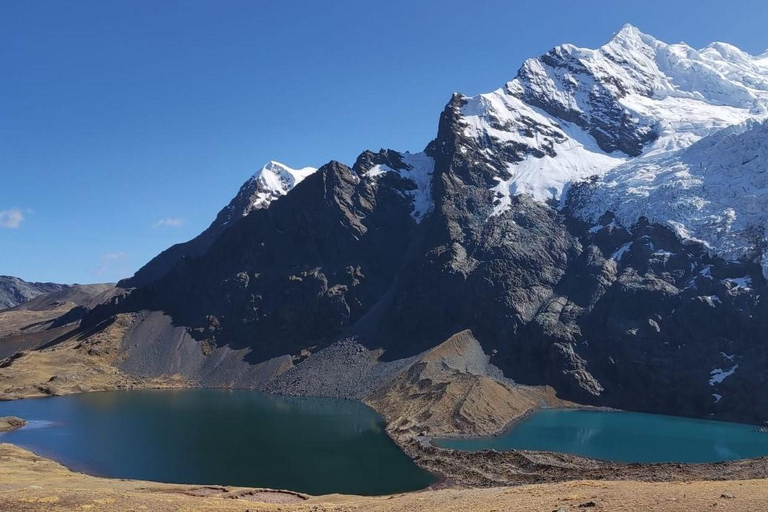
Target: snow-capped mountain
(714, 192)
(598, 223)
(628, 111)
(272, 181)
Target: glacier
(657, 130)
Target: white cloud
(11, 219)
(112, 265)
(169, 222)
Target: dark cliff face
(629, 317)
(643, 321)
(295, 275)
(490, 273)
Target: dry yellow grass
(76, 365)
(14, 322)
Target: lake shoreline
(513, 423)
(214, 436)
(600, 434)
(33, 483)
(458, 469)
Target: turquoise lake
(240, 438)
(625, 437)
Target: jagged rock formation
(574, 220)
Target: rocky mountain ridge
(521, 221)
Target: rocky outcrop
(452, 389)
(9, 423)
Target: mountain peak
(631, 37)
(272, 166)
(273, 180)
(628, 138)
(274, 163)
(628, 30)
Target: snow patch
(275, 180)
(744, 283)
(419, 168)
(569, 153)
(718, 375)
(420, 171)
(616, 256)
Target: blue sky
(116, 116)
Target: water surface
(241, 438)
(625, 437)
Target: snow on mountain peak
(631, 36)
(628, 111)
(714, 192)
(634, 96)
(274, 180)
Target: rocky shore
(9, 423)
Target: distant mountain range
(599, 223)
(14, 291)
